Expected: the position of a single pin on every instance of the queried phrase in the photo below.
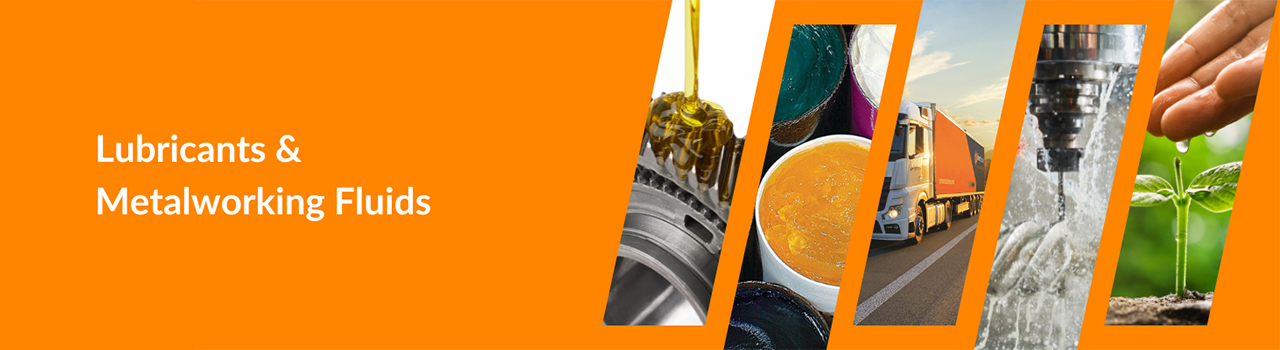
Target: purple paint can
(869, 49)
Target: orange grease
(807, 208)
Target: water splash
(1040, 280)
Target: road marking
(867, 307)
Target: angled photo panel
(693, 141)
(936, 177)
(1181, 170)
(1075, 122)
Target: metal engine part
(670, 245)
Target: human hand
(1209, 78)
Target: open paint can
(770, 316)
(815, 67)
(869, 49)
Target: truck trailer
(936, 172)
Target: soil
(1166, 310)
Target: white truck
(936, 172)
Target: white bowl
(822, 295)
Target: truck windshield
(898, 150)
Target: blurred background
(1147, 256)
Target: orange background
(512, 116)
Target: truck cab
(910, 204)
(905, 180)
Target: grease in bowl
(807, 208)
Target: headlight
(893, 211)
(895, 207)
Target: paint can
(814, 69)
(770, 316)
(869, 50)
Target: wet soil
(1166, 310)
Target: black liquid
(767, 316)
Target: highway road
(916, 285)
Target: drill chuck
(1075, 65)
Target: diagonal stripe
(871, 304)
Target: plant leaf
(1215, 189)
(1150, 191)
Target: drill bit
(1075, 69)
(1062, 200)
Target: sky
(733, 34)
(961, 59)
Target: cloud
(921, 42)
(970, 123)
(988, 93)
(924, 64)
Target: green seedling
(1214, 189)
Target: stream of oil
(692, 132)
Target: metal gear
(670, 245)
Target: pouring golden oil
(690, 131)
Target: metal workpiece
(670, 245)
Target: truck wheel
(920, 228)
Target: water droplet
(1184, 146)
(1210, 133)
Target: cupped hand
(1209, 78)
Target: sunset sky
(961, 59)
